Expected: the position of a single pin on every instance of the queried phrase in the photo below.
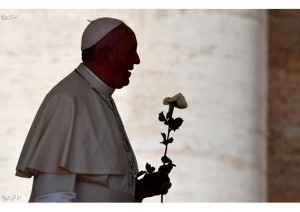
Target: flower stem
(166, 148)
(170, 114)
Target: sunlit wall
(216, 58)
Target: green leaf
(175, 123)
(140, 174)
(164, 136)
(178, 122)
(169, 121)
(170, 140)
(168, 115)
(150, 169)
(165, 159)
(161, 117)
(165, 142)
(166, 168)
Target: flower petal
(178, 101)
(167, 101)
(181, 102)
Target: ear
(104, 53)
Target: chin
(121, 86)
(125, 84)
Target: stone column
(283, 107)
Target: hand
(151, 185)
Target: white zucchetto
(97, 30)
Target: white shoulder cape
(74, 131)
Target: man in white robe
(77, 148)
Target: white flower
(178, 101)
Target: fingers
(164, 177)
(158, 182)
(165, 187)
(165, 184)
(161, 178)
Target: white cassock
(77, 148)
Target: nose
(137, 59)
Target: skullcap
(97, 30)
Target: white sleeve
(57, 197)
(54, 188)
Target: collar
(95, 81)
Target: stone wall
(284, 110)
(216, 58)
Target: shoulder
(72, 87)
(67, 86)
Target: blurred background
(238, 70)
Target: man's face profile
(123, 57)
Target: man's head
(111, 55)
